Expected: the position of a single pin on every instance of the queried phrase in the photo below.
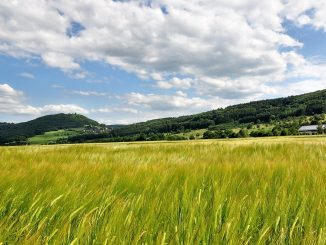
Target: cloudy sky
(128, 61)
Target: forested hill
(263, 111)
(15, 132)
(237, 116)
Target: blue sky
(314, 40)
(129, 61)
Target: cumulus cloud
(226, 88)
(165, 102)
(175, 82)
(59, 60)
(300, 87)
(61, 108)
(229, 41)
(12, 102)
(307, 12)
(223, 51)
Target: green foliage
(243, 133)
(320, 129)
(220, 134)
(192, 137)
(203, 192)
(281, 129)
(172, 137)
(250, 126)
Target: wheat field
(254, 191)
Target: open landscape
(163, 122)
(236, 191)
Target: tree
(250, 126)
(233, 135)
(276, 131)
(285, 132)
(208, 135)
(320, 129)
(141, 137)
(243, 133)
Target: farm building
(311, 129)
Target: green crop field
(52, 136)
(251, 191)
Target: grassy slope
(217, 192)
(52, 136)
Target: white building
(311, 129)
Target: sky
(120, 62)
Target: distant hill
(10, 132)
(115, 126)
(263, 111)
(272, 112)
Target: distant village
(102, 128)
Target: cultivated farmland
(253, 191)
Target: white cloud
(225, 51)
(229, 41)
(176, 82)
(62, 108)
(7, 91)
(182, 94)
(27, 75)
(307, 12)
(60, 60)
(12, 102)
(102, 110)
(115, 109)
(89, 93)
(300, 87)
(226, 88)
(165, 102)
(127, 110)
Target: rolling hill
(264, 111)
(15, 133)
(272, 112)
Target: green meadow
(52, 136)
(250, 191)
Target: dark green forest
(263, 111)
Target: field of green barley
(251, 191)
